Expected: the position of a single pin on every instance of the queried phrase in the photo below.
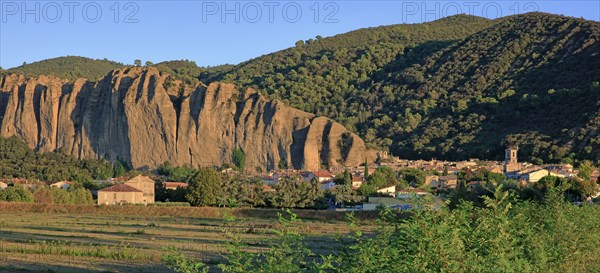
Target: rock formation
(145, 117)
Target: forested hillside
(69, 67)
(455, 88)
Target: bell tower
(510, 160)
(510, 154)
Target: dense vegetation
(17, 160)
(208, 187)
(458, 87)
(69, 67)
(455, 88)
(47, 195)
(185, 70)
(505, 236)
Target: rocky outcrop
(145, 117)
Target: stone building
(120, 194)
(510, 160)
(138, 190)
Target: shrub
(17, 193)
(505, 236)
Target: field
(51, 238)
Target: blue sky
(217, 32)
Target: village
(438, 178)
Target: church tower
(510, 160)
(510, 155)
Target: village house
(449, 181)
(536, 175)
(357, 181)
(327, 184)
(391, 190)
(473, 184)
(452, 169)
(465, 164)
(145, 184)
(495, 169)
(64, 185)
(321, 176)
(138, 190)
(595, 175)
(432, 181)
(411, 193)
(26, 183)
(121, 194)
(287, 173)
(3, 185)
(175, 185)
(268, 179)
(441, 182)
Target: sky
(218, 32)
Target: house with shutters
(138, 190)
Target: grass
(102, 239)
(208, 212)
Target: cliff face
(145, 117)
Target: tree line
(17, 160)
(47, 195)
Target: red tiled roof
(357, 179)
(322, 174)
(173, 185)
(120, 188)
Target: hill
(69, 67)
(454, 88)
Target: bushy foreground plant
(505, 236)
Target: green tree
(177, 195)
(204, 188)
(137, 62)
(585, 170)
(61, 196)
(345, 195)
(121, 168)
(415, 177)
(82, 196)
(239, 158)
(160, 192)
(282, 164)
(17, 193)
(344, 178)
(294, 192)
